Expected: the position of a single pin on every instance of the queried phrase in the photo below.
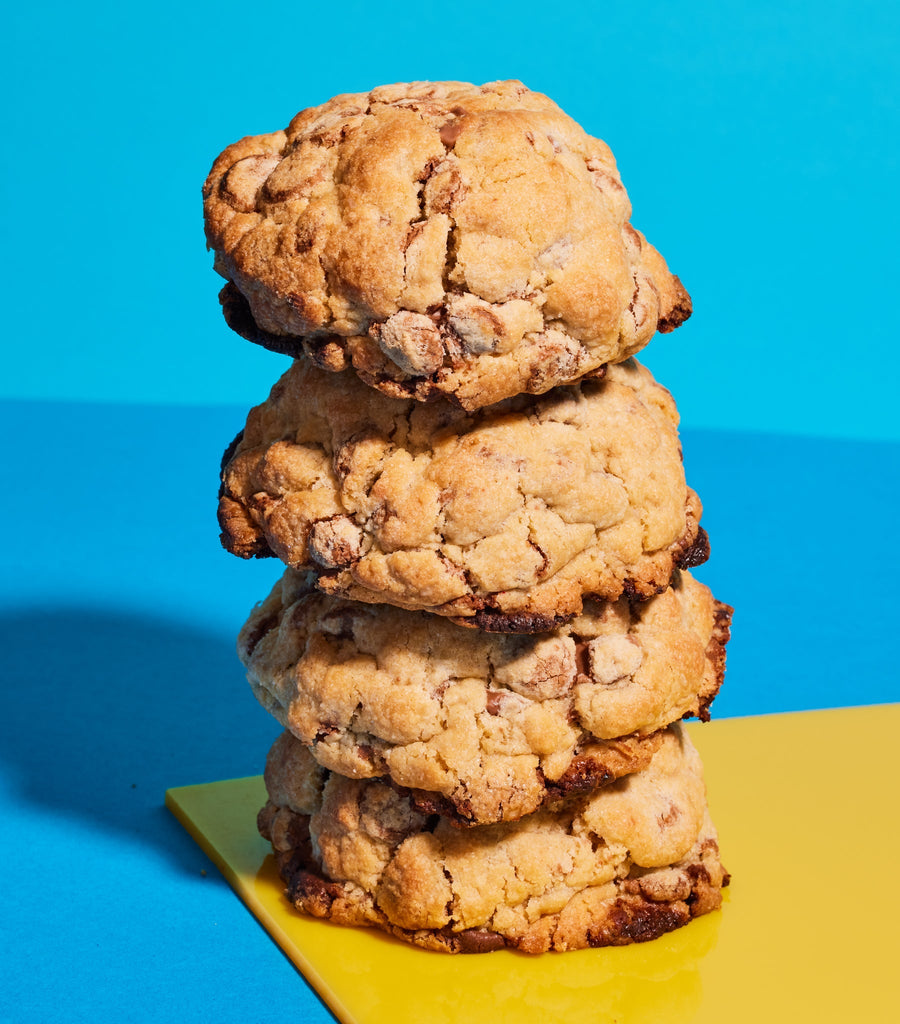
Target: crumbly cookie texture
(477, 726)
(504, 518)
(625, 864)
(440, 238)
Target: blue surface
(118, 620)
(757, 140)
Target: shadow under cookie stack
(486, 635)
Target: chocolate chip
(450, 132)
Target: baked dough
(625, 864)
(478, 726)
(505, 518)
(440, 238)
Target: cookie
(504, 518)
(625, 864)
(440, 238)
(478, 726)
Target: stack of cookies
(486, 633)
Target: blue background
(758, 142)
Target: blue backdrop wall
(758, 142)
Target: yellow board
(806, 808)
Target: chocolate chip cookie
(625, 864)
(504, 518)
(482, 727)
(439, 238)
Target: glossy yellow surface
(806, 809)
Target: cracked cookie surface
(438, 238)
(483, 727)
(625, 864)
(504, 518)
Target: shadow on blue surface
(105, 711)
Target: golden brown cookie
(625, 864)
(484, 727)
(504, 518)
(441, 238)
